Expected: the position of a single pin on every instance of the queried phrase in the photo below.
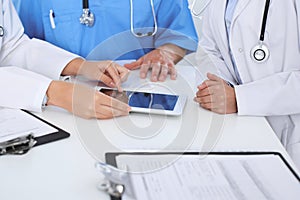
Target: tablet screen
(144, 99)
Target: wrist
(72, 68)
(175, 53)
(58, 93)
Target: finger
(114, 74)
(107, 80)
(102, 116)
(212, 106)
(214, 77)
(207, 83)
(207, 106)
(112, 102)
(144, 69)
(123, 72)
(156, 67)
(107, 112)
(204, 92)
(172, 71)
(106, 115)
(205, 99)
(202, 86)
(134, 65)
(163, 72)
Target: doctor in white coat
(30, 69)
(263, 63)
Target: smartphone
(148, 102)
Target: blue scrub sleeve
(176, 25)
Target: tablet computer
(148, 102)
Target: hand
(216, 95)
(84, 101)
(110, 73)
(162, 62)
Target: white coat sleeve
(278, 94)
(26, 66)
(22, 89)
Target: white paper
(16, 123)
(263, 177)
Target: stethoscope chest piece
(87, 18)
(260, 53)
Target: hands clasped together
(216, 95)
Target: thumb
(213, 77)
(134, 65)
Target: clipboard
(111, 160)
(21, 145)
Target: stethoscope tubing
(260, 52)
(264, 21)
(87, 13)
(132, 21)
(85, 4)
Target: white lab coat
(26, 66)
(270, 89)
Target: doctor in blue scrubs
(122, 29)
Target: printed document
(16, 123)
(210, 177)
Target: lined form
(215, 177)
(16, 123)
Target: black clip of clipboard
(112, 162)
(22, 145)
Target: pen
(51, 17)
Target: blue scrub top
(110, 37)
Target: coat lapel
(220, 28)
(241, 5)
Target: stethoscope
(140, 34)
(88, 18)
(260, 52)
(201, 6)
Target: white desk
(65, 169)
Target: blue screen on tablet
(144, 99)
